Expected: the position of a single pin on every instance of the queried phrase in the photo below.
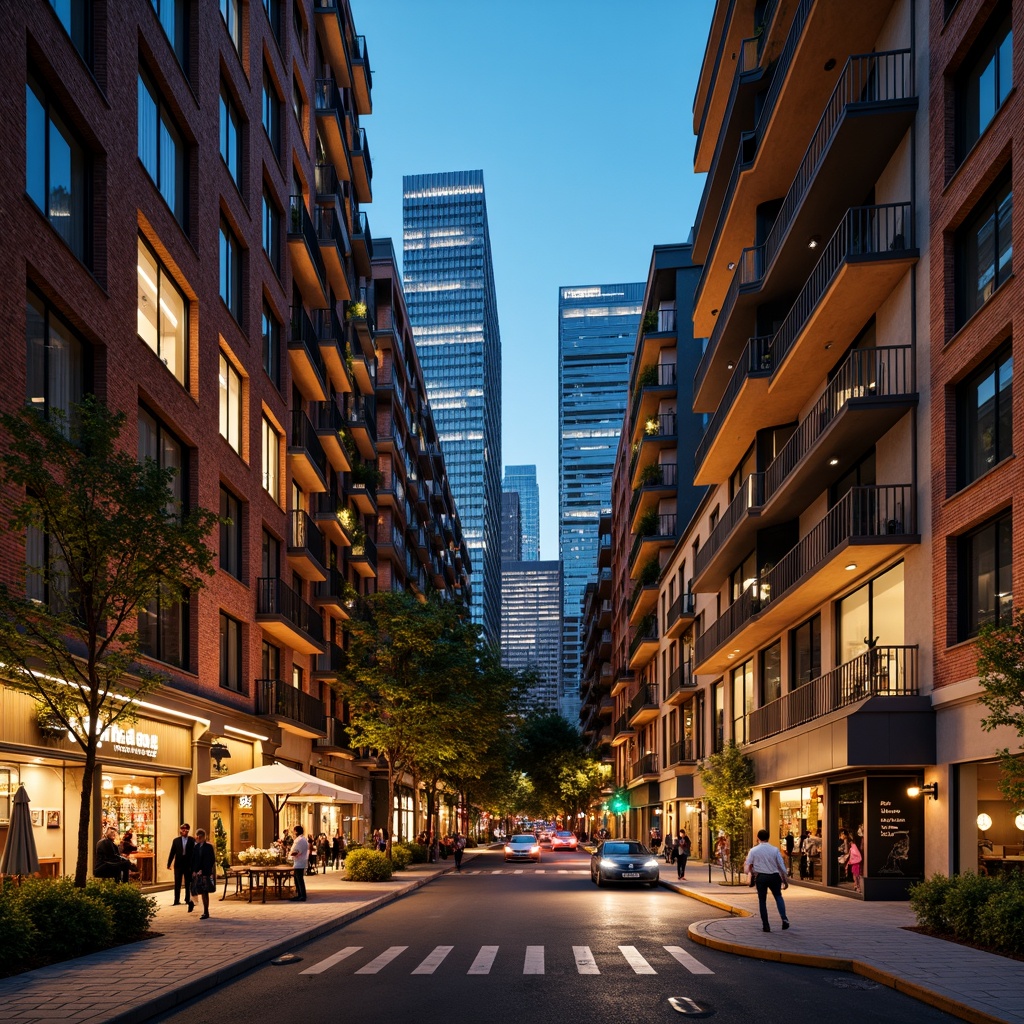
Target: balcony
(682, 752)
(657, 480)
(643, 708)
(362, 167)
(362, 556)
(329, 424)
(734, 534)
(647, 545)
(336, 741)
(657, 336)
(622, 681)
(361, 487)
(604, 615)
(362, 244)
(330, 336)
(305, 546)
(307, 263)
(334, 519)
(643, 600)
(644, 644)
(622, 731)
(681, 685)
(331, 29)
(291, 708)
(331, 119)
(680, 616)
(606, 706)
(283, 614)
(331, 662)
(860, 534)
(361, 417)
(362, 78)
(879, 672)
(332, 233)
(654, 382)
(604, 550)
(306, 456)
(362, 316)
(645, 768)
(659, 433)
(309, 371)
(334, 594)
(604, 647)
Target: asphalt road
(539, 942)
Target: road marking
(636, 961)
(540, 871)
(327, 964)
(534, 962)
(498, 871)
(517, 871)
(433, 961)
(484, 960)
(383, 960)
(692, 964)
(585, 962)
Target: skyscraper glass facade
(449, 290)
(511, 528)
(597, 327)
(523, 480)
(531, 626)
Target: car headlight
(534, 849)
(652, 863)
(606, 863)
(508, 849)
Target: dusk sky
(579, 112)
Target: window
(230, 533)
(985, 418)
(273, 9)
(297, 676)
(173, 15)
(161, 149)
(271, 661)
(56, 173)
(270, 565)
(162, 314)
(297, 100)
(230, 135)
(229, 11)
(231, 408)
(806, 659)
(771, 673)
(76, 17)
(742, 699)
(56, 359)
(985, 574)
(983, 254)
(230, 271)
(271, 460)
(271, 345)
(156, 442)
(46, 578)
(271, 231)
(301, 39)
(230, 653)
(983, 85)
(718, 715)
(872, 615)
(271, 112)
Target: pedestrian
(108, 862)
(128, 846)
(790, 845)
(299, 854)
(722, 852)
(204, 873)
(458, 849)
(682, 853)
(805, 851)
(843, 853)
(180, 858)
(337, 845)
(765, 863)
(856, 860)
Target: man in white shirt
(299, 854)
(766, 861)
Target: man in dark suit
(180, 858)
(108, 862)
(204, 863)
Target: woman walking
(682, 853)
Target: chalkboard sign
(895, 830)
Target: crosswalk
(533, 959)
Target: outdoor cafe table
(277, 875)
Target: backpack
(685, 844)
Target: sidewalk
(869, 939)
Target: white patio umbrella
(279, 782)
(19, 856)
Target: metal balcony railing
(304, 437)
(275, 597)
(303, 535)
(645, 697)
(334, 659)
(361, 148)
(664, 377)
(646, 765)
(684, 604)
(666, 528)
(332, 588)
(304, 336)
(646, 631)
(331, 228)
(336, 738)
(682, 752)
(364, 547)
(622, 725)
(680, 678)
(361, 411)
(276, 698)
(749, 496)
(361, 232)
(300, 225)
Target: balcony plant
(652, 426)
(646, 378)
(356, 311)
(647, 524)
(367, 474)
(651, 475)
(649, 572)
(650, 321)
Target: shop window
(806, 652)
(872, 616)
(230, 533)
(56, 360)
(271, 328)
(984, 408)
(742, 700)
(271, 231)
(232, 407)
(983, 251)
(161, 148)
(76, 17)
(271, 460)
(174, 19)
(985, 566)
(771, 673)
(230, 11)
(984, 83)
(231, 654)
(56, 172)
(271, 112)
(230, 136)
(162, 314)
(230, 271)
(150, 809)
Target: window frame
(227, 373)
(47, 314)
(230, 259)
(271, 344)
(80, 31)
(231, 674)
(272, 217)
(270, 110)
(271, 453)
(967, 472)
(231, 10)
(968, 625)
(231, 529)
(166, 130)
(986, 54)
(178, 37)
(229, 134)
(164, 275)
(987, 209)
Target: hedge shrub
(17, 933)
(987, 911)
(417, 852)
(400, 856)
(131, 910)
(67, 921)
(368, 866)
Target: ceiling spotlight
(830, 63)
(851, 567)
(714, 312)
(732, 266)
(814, 241)
(729, 366)
(833, 461)
(828, 345)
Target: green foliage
(1001, 919)
(647, 377)
(928, 902)
(368, 866)
(131, 910)
(67, 921)
(367, 473)
(727, 776)
(356, 311)
(220, 843)
(417, 852)
(1001, 675)
(650, 321)
(649, 572)
(964, 902)
(400, 856)
(651, 474)
(973, 908)
(17, 933)
(647, 524)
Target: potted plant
(651, 475)
(647, 524)
(650, 321)
(356, 311)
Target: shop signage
(895, 830)
(125, 741)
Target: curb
(709, 900)
(197, 986)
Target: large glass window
(806, 652)
(984, 251)
(271, 344)
(229, 11)
(230, 271)
(872, 616)
(771, 673)
(230, 533)
(230, 653)
(56, 171)
(271, 460)
(56, 363)
(271, 661)
(271, 111)
(718, 715)
(986, 576)
(173, 15)
(984, 84)
(161, 149)
(230, 136)
(76, 17)
(156, 442)
(985, 418)
(231, 408)
(162, 314)
(742, 699)
(271, 230)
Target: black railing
(362, 149)
(749, 496)
(364, 547)
(361, 232)
(332, 229)
(878, 672)
(886, 372)
(300, 225)
(666, 528)
(682, 752)
(304, 438)
(361, 411)
(680, 678)
(303, 535)
(333, 588)
(645, 697)
(646, 632)
(276, 698)
(646, 765)
(336, 738)
(327, 417)
(663, 474)
(664, 377)
(622, 725)
(304, 336)
(683, 605)
(275, 597)
(334, 659)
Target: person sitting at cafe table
(109, 863)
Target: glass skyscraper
(523, 480)
(511, 528)
(597, 328)
(449, 290)
(531, 626)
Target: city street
(533, 940)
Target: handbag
(753, 879)
(203, 883)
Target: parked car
(623, 860)
(563, 841)
(523, 847)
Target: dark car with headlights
(623, 860)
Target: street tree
(1001, 675)
(104, 540)
(579, 783)
(547, 744)
(727, 776)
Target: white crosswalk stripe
(692, 964)
(379, 963)
(636, 961)
(484, 960)
(433, 961)
(534, 962)
(585, 962)
(327, 964)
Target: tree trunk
(85, 810)
(389, 817)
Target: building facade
(449, 287)
(531, 615)
(597, 327)
(523, 481)
(511, 528)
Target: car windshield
(523, 839)
(612, 848)
(564, 835)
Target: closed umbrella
(19, 856)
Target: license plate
(630, 874)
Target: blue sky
(579, 113)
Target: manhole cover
(853, 982)
(286, 958)
(689, 1007)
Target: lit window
(984, 251)
(162, 314)
(230, 383)
(271, 460)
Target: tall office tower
(449, 288)
(523, 480)
(531, 626)
(511, 528)
(597, 326)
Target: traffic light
(619, 802)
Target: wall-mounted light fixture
(748, 803)
(925, 789)
(219, 752)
